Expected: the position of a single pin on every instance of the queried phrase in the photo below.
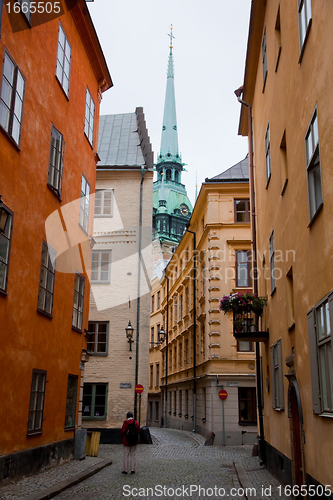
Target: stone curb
(244, 480)
(51, 492)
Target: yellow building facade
(199, 356)
(288, 72)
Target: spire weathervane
(171, 36)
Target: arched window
(176, 176)
(168, 175)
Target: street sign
(223, 394)
(139, 388)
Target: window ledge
(35, 433)
(326, 414)
(247, 423)
(44, 313)
(66, 429)
(10, 138)
(101, 283)
(76, 329)
(88, 140)
(315, 214)
(284, 186)
(305, 40)
(93, 418)
(54, 191)
(267, 181)
(62, 88)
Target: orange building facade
(52, 79)
(288, 71)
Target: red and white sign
(223, 394)
(139, 388)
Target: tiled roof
(119, 142)
(236, 173)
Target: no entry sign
(139, 388)
(223, 394)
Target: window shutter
(316, 403)
(272, 378)
(281, 391)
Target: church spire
(169, 141)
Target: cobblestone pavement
(176, 466)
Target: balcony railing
(249, 326)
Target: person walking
(129, 438)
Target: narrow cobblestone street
(176, 466)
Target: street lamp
(161, 336)
(129, 334)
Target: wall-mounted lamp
(161, 337)
(129, 334)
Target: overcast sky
(209, 56)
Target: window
(63, 60)
(247, 405)
(304, 20)
(168, 175)
(204, 280)
(268, 154)
(5, 244)
(272, 261)
(89, 117)
(264, 57)
(71, 401)
(152, 303)
(277, 376)
(78, 302)
(157, 374)
(97, 338)
(157, 411)
(158, 300)
(313, 166)
(11, 100)
(84, 204)
(180, 403)
(36, 407)
(101, 266)
(104, 203)
(278, 46)
(25, 8)
(94, 401)
(187, 301)
(1, 7)
(175, 357)
(243, 268)
(186, 352)
(46, 280)
(242, 210)
(181, 307)
(56, 161)
(180, 355)
(320, 326)
(284, 164)
(152, 335)
(245, 346)
(151, 376)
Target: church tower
(171, 207)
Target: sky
(209, 51)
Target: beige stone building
(200, 355)
(288, 74)
(120, 275)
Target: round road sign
(139, 388)
(223, 394)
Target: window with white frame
(84, 204)
(268, 154)
(272, 261)
(264, 56)
(304, 20)
(63, 60)
(78, 302)
(320, 325)
(313, 166)
(101, 266)
(37, 397)
(5, 244)
(277, 376)
(56, 162)
(103, 202)
(97, 338)
(11, 99)
(243, 268)
(89, 117)
(46, 280)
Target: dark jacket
(124, 429)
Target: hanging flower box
(247, 310)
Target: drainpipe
(194, 328)
(166, 356)
(143, 171)
(238, 94)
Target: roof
(120, 144)
(237, 173)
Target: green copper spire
(169, 141)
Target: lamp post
(129, 334)
(166, 356)
(239, 92)
(194, 325)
